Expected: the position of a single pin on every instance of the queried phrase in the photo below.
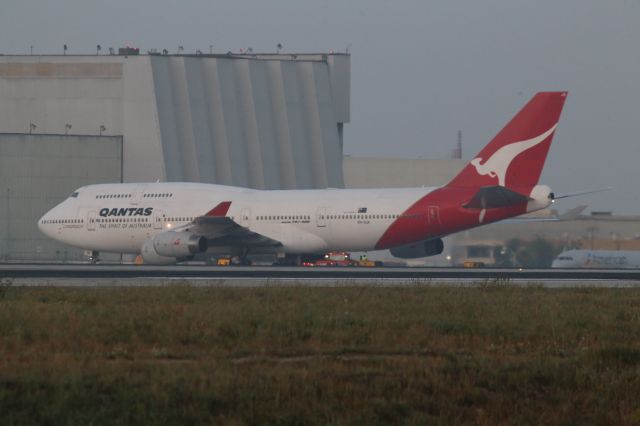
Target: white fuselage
(167, 222)
(617, 259)
(121, 217)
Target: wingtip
(219, 210)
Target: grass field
(293, 355)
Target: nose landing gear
(93, 256)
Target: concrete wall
(371, 172)
(263, 121)
(39, 171)
(53, 91)
(242, 121)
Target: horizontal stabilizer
(491, 197)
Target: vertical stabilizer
(515, 157)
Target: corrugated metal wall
(39, 171)
(260, 123)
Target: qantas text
(126, 211)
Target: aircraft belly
(297, 239)
(111, 240)
(360, 235)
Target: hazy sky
(421, 69)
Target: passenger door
(245, 218)
(158, 218)
(136, 195)
(321, 217)
(91, 220)
(434, 215)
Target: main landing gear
(243, 259)
(290, 260)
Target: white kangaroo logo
(499, 162)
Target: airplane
(600, 259)
(167, 223)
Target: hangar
(266, 121)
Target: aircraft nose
(42, 224)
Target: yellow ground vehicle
(223, 261)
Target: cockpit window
(74, 195)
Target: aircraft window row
(62, 221)
(175, 219)
(162, 195)
(122, 220)
(300, 217)
(332, 216)
(359, 216)
(113, 196)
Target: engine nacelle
(169, 247)
(179, 244)
(150, 256)
(420, 249)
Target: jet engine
(420, 249)
(171, 247)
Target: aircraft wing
(220, 230)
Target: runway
(235, 276)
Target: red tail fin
(515, 157)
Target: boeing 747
(167, 223)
